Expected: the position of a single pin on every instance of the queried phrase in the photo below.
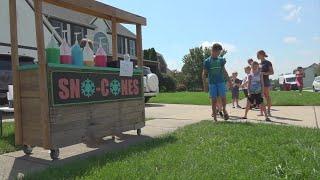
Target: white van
(288, 82)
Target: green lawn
(292, 98)
(195, 98)
(7, 140)
(279, 98)
(207, 151)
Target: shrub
(181, 88)
(167, 83)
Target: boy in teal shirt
(214, 69)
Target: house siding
(26, 19)
(309, 76)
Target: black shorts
(256, 98)
(235, 93)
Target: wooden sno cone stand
(61, 105)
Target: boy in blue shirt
(214, 69)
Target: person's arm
(245, 82)
(204, 77)
(270, 70)
(249, 85)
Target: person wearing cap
(266, 70)
(214, 69)
(250, 61)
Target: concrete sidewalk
(166, 118)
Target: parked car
(288, 82)
(316, 84)
(151, 84)
(6, 73)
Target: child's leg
(247, 109)
(214, 104)
(213, 94)
(268, 98)
(222, 93)
(263, 107)
(261, 110)
(219, 104)
(300, 89)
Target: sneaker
(233, 107)
(221, 114)
(268, 120)
(226, 117)
(239, 107)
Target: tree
(193, 67)
(178, 76)
(150, 54)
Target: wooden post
(139, 45)
(114, 40)
(16, 75)
(44, 100)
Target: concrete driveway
(304, 116)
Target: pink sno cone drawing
(65, 51)
(88, 55)
(101, 56)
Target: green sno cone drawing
(115, 87)
(88, 88)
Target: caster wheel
(27, 149)
(54, 154)
(139, 132)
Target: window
(70, 37)
(104, 42)
(59, 25)
(121, 45)
(132, 47)
(78, 29)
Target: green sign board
(89, 87)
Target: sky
(288, 30)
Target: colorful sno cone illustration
(65, 51)
(53, 51)
(77, 54)
(101, 56)
(88, 54)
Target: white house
(310, 74)
(64, 20)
